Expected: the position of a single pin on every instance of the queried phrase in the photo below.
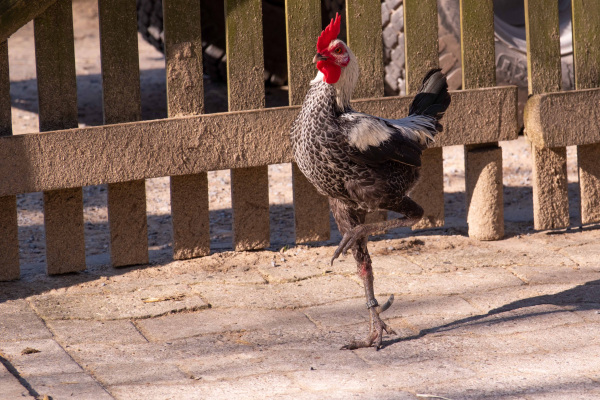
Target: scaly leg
(348, 220)
(376, 325)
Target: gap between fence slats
(185, 96)
(57, 94)
(550, 194)
(121, 103)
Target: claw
(346, 243)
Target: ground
(512, 319)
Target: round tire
(509, 21)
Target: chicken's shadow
(579, 298)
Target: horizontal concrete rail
(188, 145)
(563, 118)
(16, 13)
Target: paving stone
(354, 311)
(492, 254)
(277, 271)
(163, 299)
(394, 265)
(70, 332)
(564, 338)
(50, 359)
(90, 354)
(589, 312)
(548, 274)
(135, 372)
(341, 394)
(520, 296)
(367, 383)
(19, 322)
(63, 386)
(572, 365)
(472, 280)
(585, 393)
(11, 388)
(310, 292)
(216, 320)
(587, 255)
(259, 386)
(218, 345)
(502, 384)
(345, 312)
(524, 319)
(256, 362)
(316, 341)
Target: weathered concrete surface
(15, 14)
(550, 194)
(563, 119)
(550, 190)
(185, 96)
(429, 190)
(510, 319)
(121, 102)
(484, 190)
(483, 163)
(179, 146)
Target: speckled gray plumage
(321, 149)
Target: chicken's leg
(376, 325)
(412, 214)
(347, 220)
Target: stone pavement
(513, 319)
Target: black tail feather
(433, 98)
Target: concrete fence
(125, 151)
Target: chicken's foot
(377, 327)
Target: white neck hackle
(345, 85)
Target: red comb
(330, 33)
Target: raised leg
(412, 213)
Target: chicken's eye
(338, 50)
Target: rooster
(363, 163)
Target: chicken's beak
(319, 57)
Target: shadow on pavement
(581, 297)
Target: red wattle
(331, 71)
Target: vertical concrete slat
(246, 90)
(550, 194)
(185, 96)
(57, 93)
(303, 27)
(586, 51)
(421, 49)
(121, 103)
(483, 163)
(363, 25)
(9, 230)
